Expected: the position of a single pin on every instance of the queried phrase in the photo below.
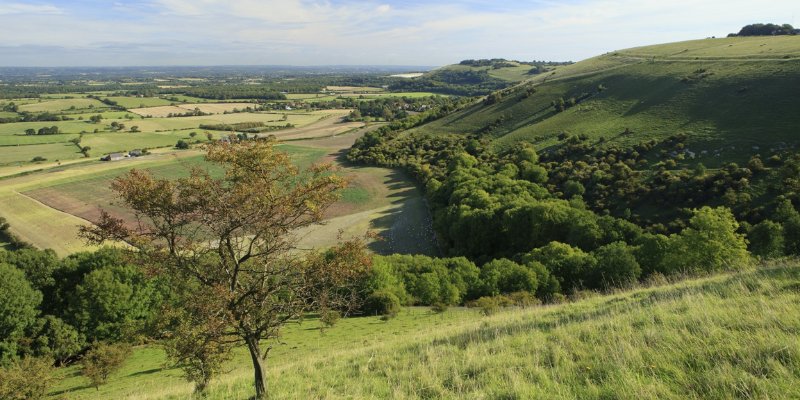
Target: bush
(382, 303)
(329, 318)
(439, 307)
(27, 379)
(616, 266)
(102, 360)
(487, 305)
(506, 276)
(182, 145)
(766, 239)
(524, 299)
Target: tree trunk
(259, 368)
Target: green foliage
(616, 266)
(382, 303)
(424, 280)
(27, 379)
(568, 264)
(488, 305)
(57, 340)
(766, 239)
(710, 243)
(102, 360)
(505, 276)
(19, 304)
(111, 303)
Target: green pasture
(60, 105)
(140, 102)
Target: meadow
(730, 336)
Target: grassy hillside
(723, 337)
(727, 95)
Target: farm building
(113, 157)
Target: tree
(230, 239)
(181, 144)
(95, 119)
(110, 302)
(30, 131)
(102, 360)
(504, 276)
(616, 266)
(18, 309)
(766, 239)
(134, 129)
(710, 243)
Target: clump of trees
(766, 30)
(51, 130)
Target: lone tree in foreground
(229, 241)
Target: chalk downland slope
(735, 93)
(727, 336)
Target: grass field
(154, 132)
(139, 102)
(57, 199)
(209, 108)
(724, 337)
(60, 105)
(727, 95)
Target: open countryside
(626, 225)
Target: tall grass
(731, 336)
(722, 337)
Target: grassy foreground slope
(722, 337)
(732, 92)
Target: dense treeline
(36, 89)
(225, 92)
(455, 82)
(766, 30)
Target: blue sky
(342, 32)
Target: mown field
(731, 336)
(727, 95)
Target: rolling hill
(726, 336)
(730, 96)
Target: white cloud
(374, 32)
(24, 8)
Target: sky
(345, 32)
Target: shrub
(524, 299)
(487, 305)
(439, 307)
(102, 360)
(329, 318)
(26, 379)
(182, 144)
(382, 303)
(616, 266)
